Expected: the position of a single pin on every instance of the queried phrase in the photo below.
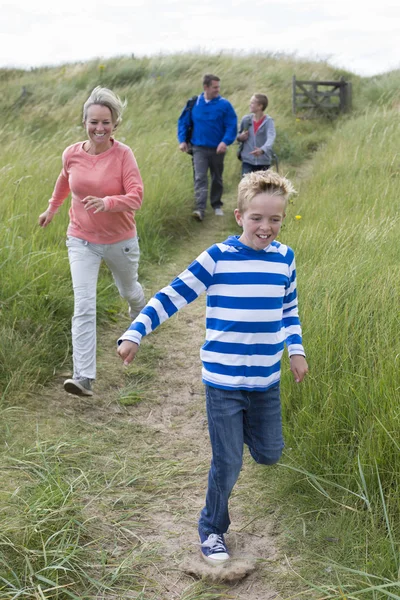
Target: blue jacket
(213, 122)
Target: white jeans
(122, 259)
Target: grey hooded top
(264, 139)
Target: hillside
(334, 497)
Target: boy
(251, 312)
(257, 135)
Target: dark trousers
(205, 159)
(248, 168)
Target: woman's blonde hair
(259, 182)
(105, 97)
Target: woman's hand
(93, 202)
(46, 218)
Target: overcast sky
(361, 36)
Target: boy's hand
(257, 152)
(299, 367)
(127, 351)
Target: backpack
(246, 126)
(188, 108)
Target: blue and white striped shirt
(251, 312)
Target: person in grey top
(257, 134)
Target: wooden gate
(316, 98)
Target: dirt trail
(166, 437)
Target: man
(213, 125)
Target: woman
(106, 190)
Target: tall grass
(347, 246)
(50, 544)
(342, 424)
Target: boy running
(251, 314)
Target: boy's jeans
(236, 417)
(248, 168)
(122, 258)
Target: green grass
(56, 498)
(48, 546)
(341, 425)
(339, 479)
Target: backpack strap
(190, 103)
(247, 121)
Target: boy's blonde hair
(105, 97)
(259, 182)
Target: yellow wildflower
(298, 217)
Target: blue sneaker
(213, 548)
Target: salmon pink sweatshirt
(113, 176)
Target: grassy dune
(343, 434)
(43, 120)
(340, 471)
